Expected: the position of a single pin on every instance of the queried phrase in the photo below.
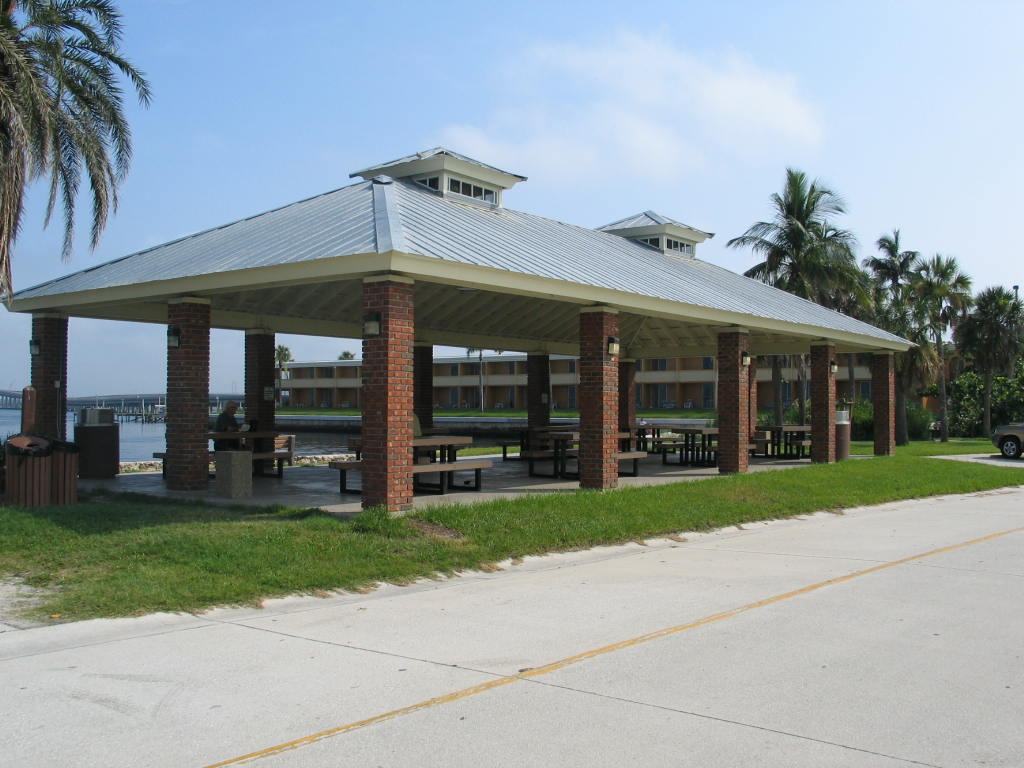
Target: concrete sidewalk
(886, 636)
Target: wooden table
(444, 446)
(694, 452)
(783, 439)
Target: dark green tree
(992, 335)
(943, 295)
(802, 251)
(62, 112)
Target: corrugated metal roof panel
(520, 242)
(646, 219)
(337, 223)
(418, 221)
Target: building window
(572, 369)
(661, 396)
(453, 397)
(708, 363)
(472, 190)
(708, 394)
(473, 369)
(572, 396)
(512, 368)
(678, 245)
(659, 364)
(430, 182)
(864, 390)
(511, 397)
(655, 241)
(453, 369)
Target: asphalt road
(887, 636)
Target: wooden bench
(801, 446)
(445, 473)
(506, 444)
(532, 456)
(284, 450)
(633, 456)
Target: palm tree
(895, 267)
(944, 295)
(282, 355)
(993, 335)
(61, 112)
(802, 251)
(893, 272)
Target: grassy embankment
(123, 555)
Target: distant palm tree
(893, 271)
(993, 335)
(895, 267)
(943, 294)
(282, 355)
(803, 252)
(61, 112)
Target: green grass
(126, 555)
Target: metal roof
(318, 249)
(430, 153)
(647, 219)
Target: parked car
(1009, 439)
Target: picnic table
(562, 449)
(787, 441)
(697, 446)
(443, 460)
(440, 447)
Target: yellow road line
(562, 663)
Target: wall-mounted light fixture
(613, 345)
(833, 366)
(173, 337)
(33, 346)
(745, 359)
(371, 324)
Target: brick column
(423, 384)
(538, 390)
(188, 395)
(823, 404)
(598, 399)
(50, 373)
(883, 397)
(752, 396)
(388, 394)
(259, 385)
(733, 405)
(627, 395)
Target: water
(139, 441)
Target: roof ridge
(387, 221)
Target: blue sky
(910, 110)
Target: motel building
(423, 251)
(681, 382)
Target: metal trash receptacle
(99, 442)
(41, 471)
(842, 435)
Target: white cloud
(638, 106)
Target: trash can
(842, 435)
(99, 443)
(40, 471)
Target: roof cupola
(667, 235)
(449, 174)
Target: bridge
(122, 404)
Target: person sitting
(226, 423)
